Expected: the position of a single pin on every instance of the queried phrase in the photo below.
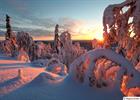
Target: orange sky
(73, 37)
(78, 37)
(89, 36)
(85, 31)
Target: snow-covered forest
(32, 70)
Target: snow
(9, 78)
(46, 84)
(40, 89)
(59, 69)
(113, 56)
(23, 56)
(138, 66)
(72, 72)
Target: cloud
(45, 27)
(72, 25)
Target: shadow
(10, 85)
(6, 57)
(8, 82)
(13, 64)
(10, 66)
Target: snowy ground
(9, 80)
(63, 91)
(37, 87)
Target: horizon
(40, 17)
(69, 49)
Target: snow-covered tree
(102, 68)
(121, 28)
(68, 51)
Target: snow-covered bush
(59, 69)
(24, 40)
(9, 47)
(23, 56)
(133, 91)
(92, 70)
(55, 66)
(105, 72)
(68, 51)
(39, 50)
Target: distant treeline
(87, 44)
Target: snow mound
(55, 66)
(47, 78)
(60, 69)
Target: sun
(92, 32)
(98, 36)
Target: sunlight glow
(92, 32)
(82, 32)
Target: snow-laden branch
(126, 66)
